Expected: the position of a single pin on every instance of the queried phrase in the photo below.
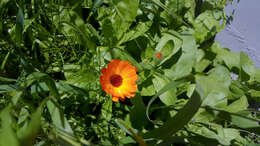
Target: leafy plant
(52, 52)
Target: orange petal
(103, 71)
(115, 99)
(131, 94)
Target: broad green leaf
(137, 114)
(257, 74)
(238, 105)
(226, 135)
(247, 65)
(187, 60)
(127, 9)
(184, 115)
(202, 65)
(7, 134)
(191, 88)
(218, 81)
(109, 32)
(254, 94)
(169, 97)
(169, 45)
(147, 88)
(236, 90)
(123, 55)
(231, 59)
(246, 123)
(79, 77)
(207, 25)
(16, 95)
(242, 119)
(59, 120)
(171, 85)
(121, 21)
(27, 136)
(139, 30)
(215, 99)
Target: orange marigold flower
(158, 55)
(119, 80)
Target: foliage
(52, 52)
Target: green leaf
(71, 24)
(247, 65)
(67, 88)
(187, 60)
(184, 115)
(231, 59)
(245, 123)
(172, 14)
(172, 84)
(38, 76)
(202, 65)
(7, 88)
(235, 89)
(147, 87)
(214, 131)
(238, 105)
(216, 86)
(27, 136)
(6, 80)
(126, 9)
(242, 119)
(191, 88)
(79, 77)
(107, 109)
(4, 61)
(19, 27)
(7, 134)
(59, 120)
(109, 32)
(3, 2)
(137, 114)
(255, 94)
(134, 33)
(16, 95)
(123, 55)
(168, 45)
(168, 97)
(130, 131)
(226, 135)
(207, 25)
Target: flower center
(116, 80)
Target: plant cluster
(190, 90)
